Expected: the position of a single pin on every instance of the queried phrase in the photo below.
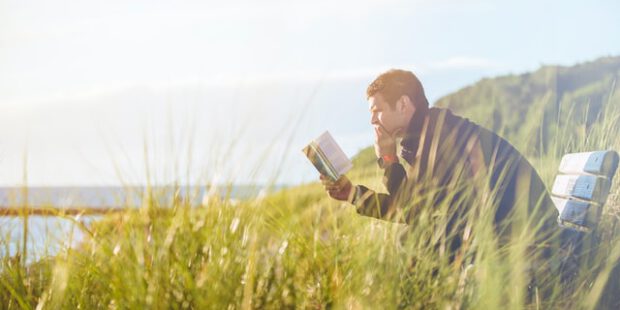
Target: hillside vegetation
(536, 110)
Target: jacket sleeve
(380, 205)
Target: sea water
(47, 235)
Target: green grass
(298, 249)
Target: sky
(115, 92)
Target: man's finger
(332, 185)
(333, 193)
(333, 188)
(381, 131)
(342, 181)
(328, 182)
(379, 135)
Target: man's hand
(385, 144)
(339, 190)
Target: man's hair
(395, 83)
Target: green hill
(528, 109)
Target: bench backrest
(581, 188)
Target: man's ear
(404, 103)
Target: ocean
(47, 235)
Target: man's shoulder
(453, 121)
(451, 118)
(467, 127)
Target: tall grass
(296, 248)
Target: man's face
(382, 115)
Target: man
(451, 162)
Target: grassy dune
(298, 249)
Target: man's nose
(373, 119)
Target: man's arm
(380, 205)
(367, 201)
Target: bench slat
(603, 163)
(574, 211)
(587, 187)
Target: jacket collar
(412, 136)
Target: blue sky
(83, 84)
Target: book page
(334, 153)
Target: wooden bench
(579, 193)
(581, 188)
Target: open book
(327, 156)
